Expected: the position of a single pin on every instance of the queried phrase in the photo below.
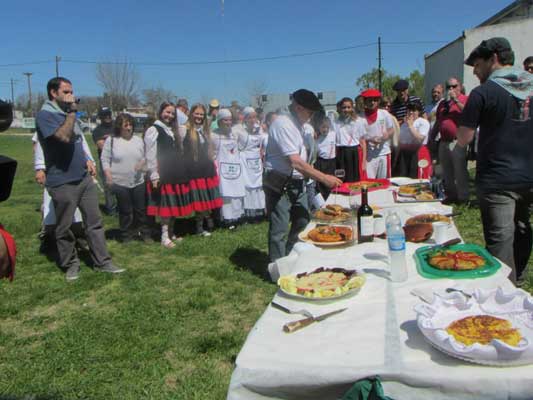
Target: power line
(230, 61)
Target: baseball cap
(488, 47)
(104, 112)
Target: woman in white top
(228, 161)
(251, 139)
(413, 138)
(124, 166)
(325, 144)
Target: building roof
(507, 11)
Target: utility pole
(12, 93)
(57, 65)
(28, 75)
(379, 65)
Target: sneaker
(110, 268)
(72, 273)
(205, 233)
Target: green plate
(427, 271)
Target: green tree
(371, 80)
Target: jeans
(66, 198)
(109, 206)
(289, 207)
(506, 228)
(131, 204)
(454, 169)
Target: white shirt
(326, 145)
(150, 147)
(181, 117)
(122, 159)
(378, 129)
(286, 137)
(349, 132)
(421, 125)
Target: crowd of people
(225, 166)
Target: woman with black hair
(413, 139)
(124, 165)
(168, 189)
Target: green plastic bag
(367, 389)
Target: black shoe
(72, 273)
(110, 268)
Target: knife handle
(295, 325)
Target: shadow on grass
(32, 397)
(253, 260)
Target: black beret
(400, 85)
(307, 99)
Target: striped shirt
(399, 110)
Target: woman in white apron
(251, 140)
(228, 162)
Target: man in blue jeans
(501, 107)
(286, 167)
(69, 179)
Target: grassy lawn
(168, 328)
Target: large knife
(302, 323)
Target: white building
(280, 101)
(514, 22)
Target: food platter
(324, 283)
(424, 267)
(490, 328)
(371, 184)
(326, 231)
(427, 219)
(415, 192)
(332, 213)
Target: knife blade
(445, 244)
(302, 323)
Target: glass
(339, 173)
(354, 206)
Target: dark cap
(487, 48)
(307, 99)
(400, 85)
(104, 112)
(183, 103)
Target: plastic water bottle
(396, 240)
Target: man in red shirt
(453, 163)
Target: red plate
(345, 187)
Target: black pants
(326, 166)
(131, 210)
(408, 163)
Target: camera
(8, 166)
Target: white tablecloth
(377, 335)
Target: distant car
(87, 127)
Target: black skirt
(326, 166)
(348, 160)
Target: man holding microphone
(69, 179)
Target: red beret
(371, 93)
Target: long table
(377, 335)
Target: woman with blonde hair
(203, 178)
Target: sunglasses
(451, 86)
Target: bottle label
(367, 226)
(396, 243)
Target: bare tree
(155, 96)
(120, 81)
(256, 90)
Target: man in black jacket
(100, 134)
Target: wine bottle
(365, 220)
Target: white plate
(517, 307)
(351, 292)
(303, 237)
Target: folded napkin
(367, 389)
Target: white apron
(251, 160)
(229, 165)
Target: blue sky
(160, 31)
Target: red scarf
(371, 115)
